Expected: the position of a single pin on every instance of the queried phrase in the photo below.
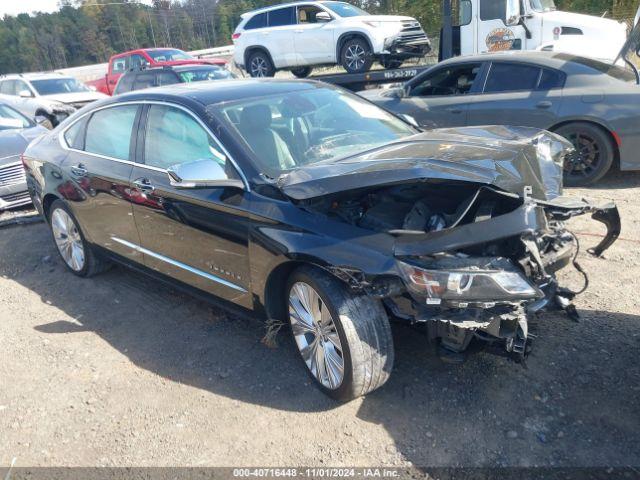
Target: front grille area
(412, 33)
(12, 174)
(17, 198)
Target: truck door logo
(500, 39)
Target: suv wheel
(302, 72)
(72, 246)
(593, 156)
(343, 338)
(356, 56)
(260, 65)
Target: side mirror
(201, 174)
(43, 121)
(25, 94)
(323, 17)
(399, 92)
(513, 13)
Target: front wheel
(344, 338)
(302, 72)
(356, 56)
(73, 248)
(593, 156)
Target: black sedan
(304, 203)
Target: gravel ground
(121, 370)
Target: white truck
(494, 25)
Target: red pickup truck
(151, 57)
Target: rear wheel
(72, 246)
(302, 72)
(260, 65)
(356, 56)
(593, 156)
(343, 338)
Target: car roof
(34, 76)
(556, 60)
(221, 91)
(283, 5)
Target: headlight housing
(468, 284)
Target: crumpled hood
(509, 158)
(14, 142)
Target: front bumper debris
(536, 230)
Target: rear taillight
(235, 36)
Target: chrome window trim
(178, 264)
(65, 146)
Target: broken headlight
(467, 284)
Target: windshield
(168, 55)
(205, 73)
(54, 86)
(294, 129)
(11, 119)
(543, 5)
(343, 9)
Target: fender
(352, 33)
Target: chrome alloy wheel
(259, 67)
(316, 335)
(68, 240)
(356, 57)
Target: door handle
(544, 104)
(79, 170)
(144, 185)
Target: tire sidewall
(271, 70)
(344, 390)
(606, 148)
(59, 204)
(367, 49)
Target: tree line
(86, 32)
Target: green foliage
(84, 32)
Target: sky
(14, 7)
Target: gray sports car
(593, 104)
(16, 132)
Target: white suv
(49, 95)
(300, 35)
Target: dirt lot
(121, 370)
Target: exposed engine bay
(475, 261)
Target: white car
(49, 95)
(298, 36)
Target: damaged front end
(477, 219)
(488, 290)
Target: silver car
(16, 132)
(592, 104)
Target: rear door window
(282, 17)
(551, 79)
(120, 64)
(8, 87)
(167, 78)
(258, 21)
(109, 132)
(144, 80)
(511, 77)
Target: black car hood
(509, 158)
